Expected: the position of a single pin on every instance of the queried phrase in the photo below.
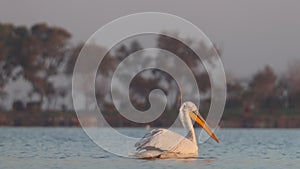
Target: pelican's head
(190, 110)
(188, 107)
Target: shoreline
(69, 119)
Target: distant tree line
(266, 90)
(41, 53)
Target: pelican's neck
(188, 126)
(191, 134)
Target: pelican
(163, 143)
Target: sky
(251, 34)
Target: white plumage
(163, 143)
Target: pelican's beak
(199, 119)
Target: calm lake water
(36, 148)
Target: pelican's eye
(194, 112)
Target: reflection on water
(198, 160)
(71, 148)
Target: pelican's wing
(159, 140)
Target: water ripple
(30, 148)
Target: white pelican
(163, 143)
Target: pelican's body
(163, 143)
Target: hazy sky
(251, 33)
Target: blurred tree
(234, 94)
(105, 72)
(90, 53)
(71, 60)
(188, 55)
(263, 86)
(36, 54)
(283, 91)
(293, 82)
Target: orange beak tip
(215, 138)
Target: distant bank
(69, 119)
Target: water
(35, 148)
